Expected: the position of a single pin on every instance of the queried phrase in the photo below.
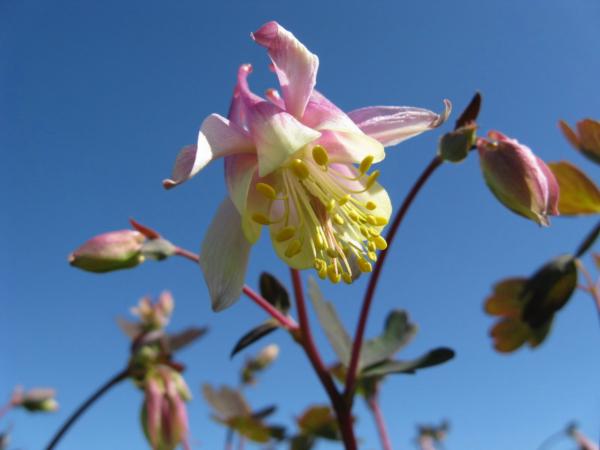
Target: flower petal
(276, 134)
(391, 125)
(296, 67)
(351, 147)
(321, 114)
(241, 175)
(224, 257)
(218, 137)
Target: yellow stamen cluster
(324, 224)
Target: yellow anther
(261, 218)
(319, 264)
(352, 214)
(285, 233)
(320, 155)
(364, 231)
(372, 256)
(373, 232)
(347, 278)
(342, 201)
(381, 221)
(330, 205)
(266, 190)
(365, 164)
(370, 205)
(319, 242)
(333, 274)
(364, 265)
(372, 179)
(293, 248)
(332, 252)
(322, 273)
(380, 243)
(338, 219)
(371, 246)
(371, 219)
(300, 169)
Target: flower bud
(155, 316)
(164, 414)
(109, 251)
(519, 179)
(587, 138)
(35, 400)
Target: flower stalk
(373, 280)
(120, 376)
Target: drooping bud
(586, 139)
(164, 414)
(109, 251)
(518, 178)
(35, 400)
(259, 363)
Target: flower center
(325, 215)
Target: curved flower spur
(299, 165)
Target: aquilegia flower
(299, 165)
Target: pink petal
(351, 147)
(274, 97)
(218, 137)
(153, 411)
(391, 125)
(321, 114)
(295, 66)
(224, 257)
(276, 134)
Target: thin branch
(85, 405)
(284, 320)
(369, 294)
(373, 403)
(591, 288)
(340, 407)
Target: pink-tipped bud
(164, 413)
(155, 316)
(110, 251)
(519, 179)
(35, 400)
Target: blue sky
(96, 98)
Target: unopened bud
(35, 400)
(518, 178)
(109, 251)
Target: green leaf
(302, 442)
(432, 358)
(184, 338)
(226, 402)
(254, 335)
(578, 194)
(397, 333)
(548, 290)
(329, 320)
(252, 429)
(274, 292)
(319, 421)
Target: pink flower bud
(519, 179)
(109, 251)
(35, 400)
(164, 414)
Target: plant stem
(341, 408)
(284, 320)
(368, 299)
(373, 403)
(85, 405)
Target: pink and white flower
(299, 165)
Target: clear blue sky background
(96, 98)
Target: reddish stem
(340, 407)
(368, 299)
(285, 321)
(373, 403)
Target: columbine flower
(299, 165)
(518, 178)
